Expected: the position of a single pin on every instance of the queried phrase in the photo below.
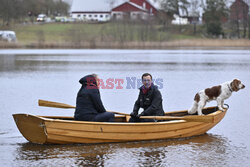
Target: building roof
(94, 5)
(99, 5)
(137, 6)
(132, 4)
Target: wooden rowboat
(65, 130)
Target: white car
(9, 36)
(41, 18)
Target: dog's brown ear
(235, 85)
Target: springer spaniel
(218, 93)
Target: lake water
(29, 75)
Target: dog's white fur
(218, 93)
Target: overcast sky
(68, 1)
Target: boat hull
(43, 130)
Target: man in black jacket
(149, 99)
(89, 106)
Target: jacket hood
(88, 80)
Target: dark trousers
(104, 117)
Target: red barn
(145, 4)
(134, 9)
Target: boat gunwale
(47, 119)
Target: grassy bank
(114, 35)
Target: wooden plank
(59, 139)
(126, 136)
(87, 139)
(122, 127)
(200, 118)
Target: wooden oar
(46, 103)
(191, 118)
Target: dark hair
(146, 74)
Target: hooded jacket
(151, 102)
(88, 101)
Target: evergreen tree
(214, 13)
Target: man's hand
(134, 115)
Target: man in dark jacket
(89, 106)
(149, 99)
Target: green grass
(106, 32)
(30, 33)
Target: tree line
(18, 11)
(217, 15)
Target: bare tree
(195, 8)
(245, 21)
(111, 3)
(248, 18)
(239, 17)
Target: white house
(179, 20)
(93, 10)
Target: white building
(93, 10)
(179, 20)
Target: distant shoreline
(115, 35)
(183, 43)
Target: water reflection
(202, 150)
(174, 62)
